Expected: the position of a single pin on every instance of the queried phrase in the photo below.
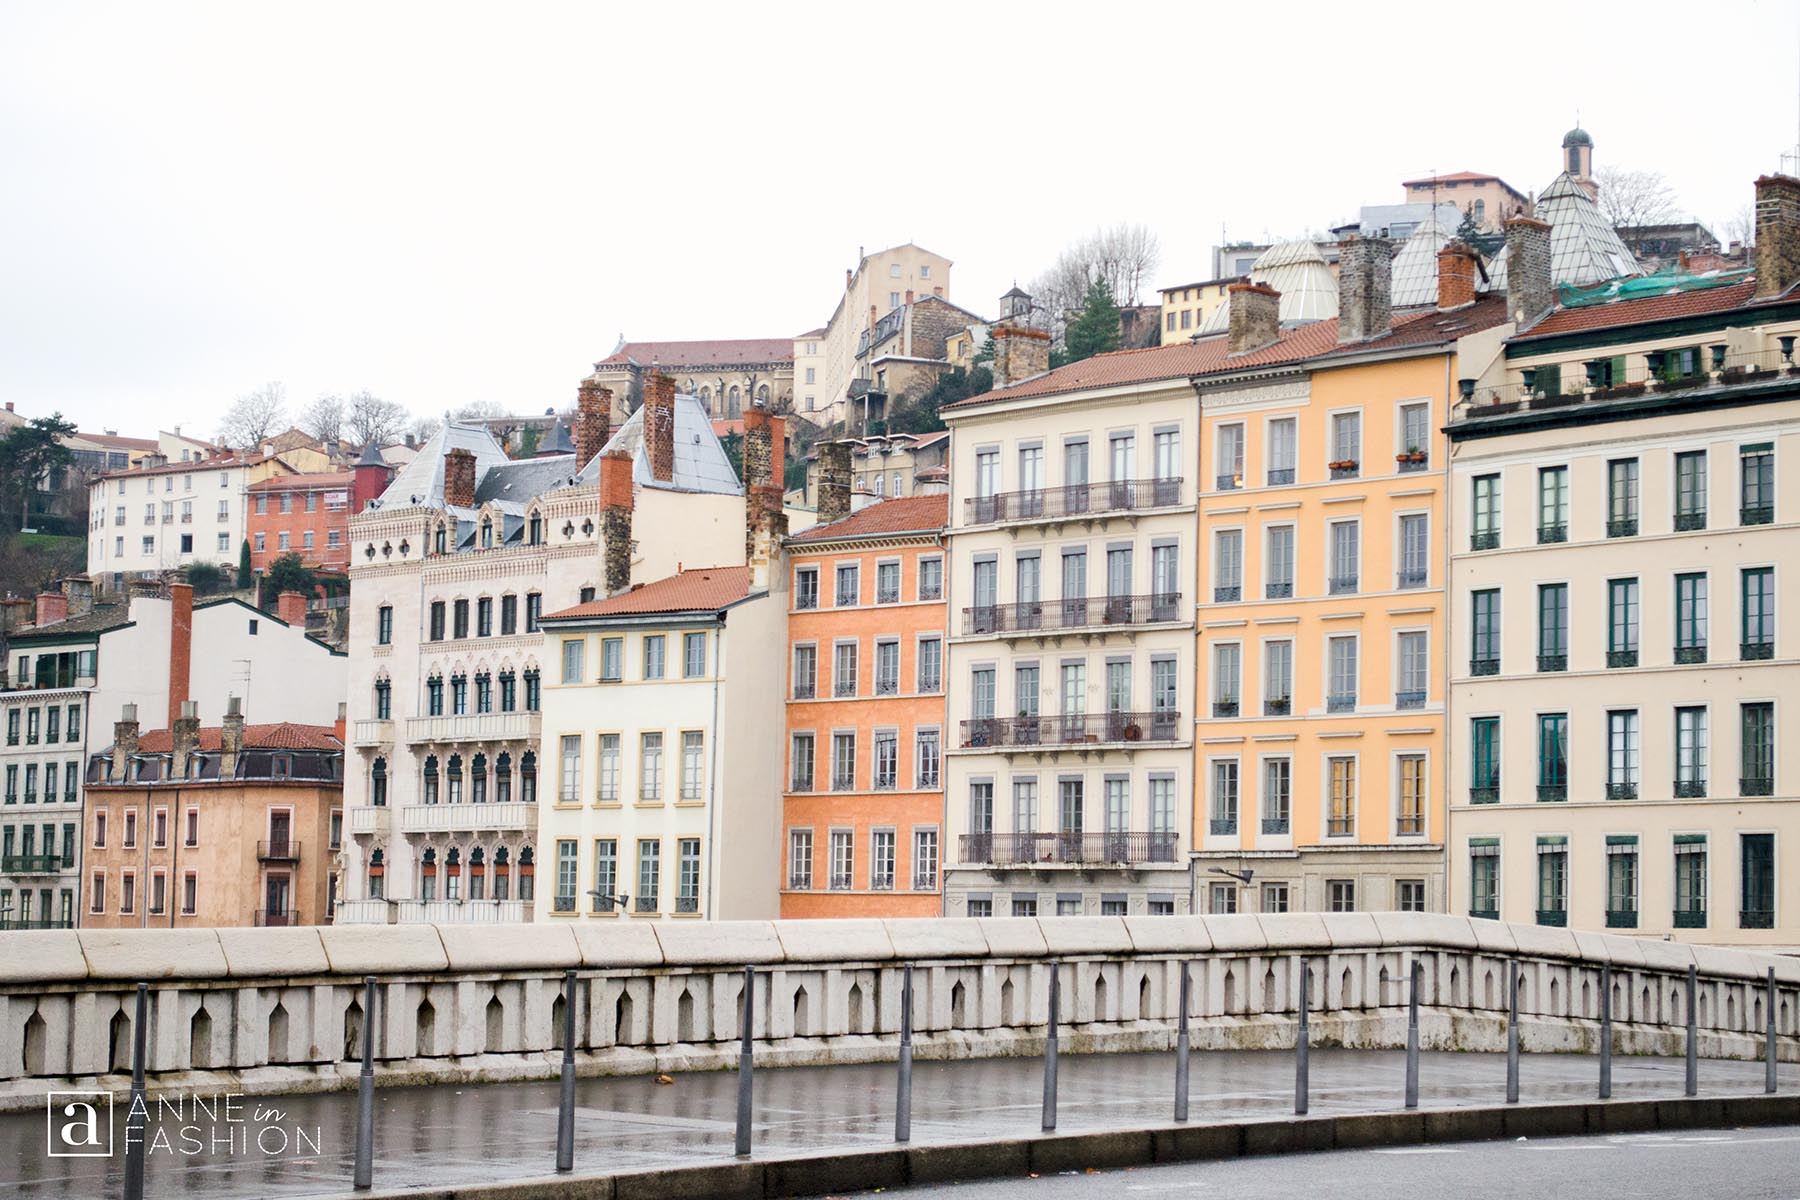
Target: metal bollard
(746, 1065)
(1412, 1037)
(1055, 1015)
(1769, 1039)
(1181, 1047)
(1606, 1031)
(1512, 1033)
(565, 1113)
(135, 1114)
(363, 1178)
(1302, 1040)
(903, 1086)
(1693, 1032)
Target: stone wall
(274, 1010)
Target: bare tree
(324, 419)
(372, 419)
(253, 416)
(480, 410)
(1740, 227)
(424, 429)
(1125, 256)
(1630, 198)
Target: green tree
(28, 454)
(243, 574)
(287, 574)
(1095, 327)
(205, 578)
(528, 442)
(922, 414)
(734, 450)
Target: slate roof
(99, 619)
(1584, 247)
(702, 589)
(700, 462)
(716, 353)
(902, 514)
(1300, 273)
(284, 735)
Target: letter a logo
(79, 1124)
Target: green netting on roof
(1637, 287)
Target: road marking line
(1421, 1150)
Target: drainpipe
(712, 786)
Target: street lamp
(1244, 876)
(607, 900)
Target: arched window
(484, 693)
(428, 869)
(734, 402)
(378, 784)
(532, 691)
(534, 530)
(434, 696)
(509, 693)
(1480, 212)
(377, 870)
(502, 874)
(478, 780)
(453, 874)
(487, 534)
(762, 394)
(527, 782)
(384, 700)
(525, 869)
(459, 695)
(431, 779)
(503, 781)
(440, 539)
(1574, 160)
(455, 776)
(477, 874)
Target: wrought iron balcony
(1340, 704)
(563, 904)
(1622, 527)
(1690, 918)
(1756, 918)
(1690, 789)
(1486, 914)
(1559, 917)
(1553, 662)
(1343, 585)
(1278, 706)
(1056, 616)
(1621, 791)
(1225, 708)
(1756, 651)
(843, 687)
(1407, 580)
(7, 923)
(881, 883)
(1686, 522)
(646, 904)
(843, 781)
(1690, 654)
(687, 904)
(1551, 534)
(1073, 500)
(1280, 476)
(1347, 471)
(1552, 793)
(841, 882)
(1486, 539)
(1229, 483)
(1409, 700)
(801, 783)
(1222, 826)
(286, 850)
(805, 691)
(1407, 463)
(1410, 825)
(1621, 658)
(1023, 849)
(886, 781)
(925, 882)
(1278, 591)
(32, 864)
(806, 600)
(1275, 826)
(1484, 795)
(1621, 918)
(1484, 666)
(887, 687)
(1756, 785)
(800, 883)
(1227, 595)
(1756, 514)
(1071, 730)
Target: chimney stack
(765, 523)
(593, 421)
(181, 646)
(52, 607)
(184, 738)
(125, 740)
(1020, 352)
(78, 595)
(1528, 287)
(1365, 288)
(291, 608)
(615, 520)
(834, 481)
(1777, 235)
(1255, 312)
(659, 425)
(1456, 264)
(459, 478)
(231, 738)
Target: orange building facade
(863, 805)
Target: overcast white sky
(450, 203)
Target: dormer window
(487, 534)
(438, 540)
(534, 531)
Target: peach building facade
(863, 796)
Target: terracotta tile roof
(701, 589)
(205, 464)
(723, 352)
(316, 479)
(1636, 312)
(1458, 177)
(116, 442)
(284, 735)
(1316, 340)
(902, 514)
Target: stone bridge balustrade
(280, 1010)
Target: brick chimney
(1529, 294)
(291, 608)
(181, 646)
(659, 425)
(765, 522)
(78, 592)
(1456, 264)
(231, 737)
(834, 481)
(615, 520)
(1020, 352)
(1777, 234)
(52, 607)
(593, 420)
(184, 737)
(459, 478)
(1255, 311)
(1365, 288)
(125, 740)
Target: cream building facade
(148, 520)
(880, 283)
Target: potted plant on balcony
(1343, 464)
(1412, 454)
(1133, 732)
(1027, 727)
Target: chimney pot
(1365, 288)
(593, 421)
(1456, 275)
(834, 481)
(615, 520)
(181, 645)
(1020, 353)
(1528, 289)
(659, 425)
(1777, 234)
(52, 607)
(291, 608)
(459, 478)
(1255, 315)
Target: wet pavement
(295, 1146)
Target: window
(1690, 618)
(606, 874)
(534, 608)
(931, 665)
(533, 692)
(693, 655)
(800, 859)
(1553, 881)
(1621, 881)
(612, 659)
(1410, 803)
(31, 724)
(882, 855)
(687, 875)
(1346, 445)
(1484, 878)
(843, 762)
(649, 873)
(925, 860)
(1278, 580)
(981, 808)
(459, 619)
(931, 579)
(437, 621)
(1341, 895)
(806, 587)
(1756, 723)
(1690, 490)
(192, 836)
(1413, 683)
(484, 617)
(693, 764)
(654, 650)
(1228, 565)
(1553, 756)
(1409, 895)
(887, 668)
(843, 860)
(1553, 504)
(1277, 795)
(987, 482)
(1690, 881)
(806, 668)
(384, 625)
(1757, 589)
(509, 615)
(1756, 484)
(1756, 887)
(1225, 671)
(1222, 898)
(1622, 498)
(1622, 622)
(566, 865)
(1622, 754)
(843, 669)
(1415, 552)
(570, 790)
(97, 892)
(131, 816)
(1224, 818)
(849, 586)
(1690, 752)
(434, 696)
(190, 893)
(1415, 437)
(887, 583)
(981, 694)
(1346, 545)
(608, 792)
(1283, 450)
(1340, 773)
(650, 749)
(1230, 459)
(573, 650)
(1484, 650)
(1341, 656)
(1553, 627)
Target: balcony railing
(1486, 539)
(646, 904)
(1225, 708)
(31, 864)
(1484, 666)
(1756, 918)
(1690, 918)
(445, 818)
(370, 818)
(1229, 483)
(372, 733)
(1756, 651)
(801, 783)
(1553, 662)
(1484, 795)
(842, 882)
(881, 883)
(804, 691)
(1222, 826)
(1687, 522)
(1079, 729)
(924, 882)
(479, 727)
(1280, 476)
(1756, 514)
(1408, 579)
(1621, 791)
(800, 883)
(843, 781)
(450, 912)
(1621, 658)
(1621, 918)
(1551, 534)
(1275, 826)
(843, 687)
(1407, 463)
(1756, 785)
(1073, 500)
(1017, 849)
(1227, 594)
(1690, 789)
(1486, 914)
(1278, 706)
(887, 687)
(687, 904)
(275, 918)
(1050, 616)
(1688, 655)
(1552, 793)
(1622, 527)
(1278, 591)
(1343, 585)
(285, 850)
(1340, 704)
(37, 923)
(1559, 917)
(1409, 700)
